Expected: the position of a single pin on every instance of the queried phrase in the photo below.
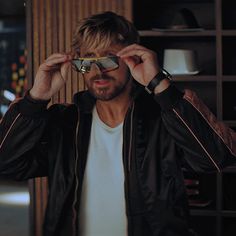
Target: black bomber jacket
(162, 134)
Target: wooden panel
(50, 27)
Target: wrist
(159, 83)
(36, 97)
(163, 85)
(31, 107)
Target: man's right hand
(51, 76)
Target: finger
(56, 55)
(129, 62)
(56, 58)
(143, 54)
(49, 64)
(53, 68)
(130, 48)
(61, 57)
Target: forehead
(101, 51)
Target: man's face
(106, 85)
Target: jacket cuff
(169, 97)
(30, 106)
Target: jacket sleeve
(23, 153)
(206, 143)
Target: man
(113, 158)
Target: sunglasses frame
(86, 69)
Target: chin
(104, 95)
(108, 93)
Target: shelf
(229, 32)
(204, 48)
(214, 44)
(231, 123)
(155, 33)
(228, 213)
(195, 78)
(229, 78)
(162, 14)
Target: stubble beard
(106, 93)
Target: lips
(102, 81)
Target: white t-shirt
(102, 209)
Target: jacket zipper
(128, 168)
(76, 180)
(76, 165)
(131, 138)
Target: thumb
(130, 62)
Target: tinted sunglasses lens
(108, 63)
(82, 65)
(76, 63)
(104, 64)
(85, 66)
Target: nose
(95, 67)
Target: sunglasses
(105, 64)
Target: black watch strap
(162, 74)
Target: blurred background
(14, 196)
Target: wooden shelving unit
(215, 84)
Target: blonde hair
(102, 30)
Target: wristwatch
(162, 74)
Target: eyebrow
(104, 53)
(94, 58)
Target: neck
(113, 112)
